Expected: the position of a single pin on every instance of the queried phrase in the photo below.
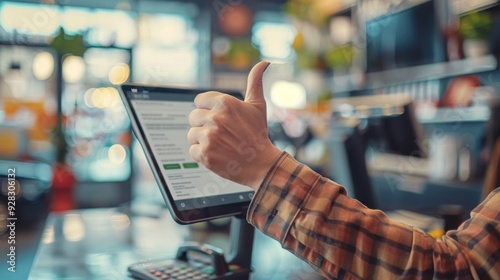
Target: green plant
(68, 44)
(64, 44)
(476, 25)
(340, 57)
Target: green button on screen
(172, 166)
(190, 165)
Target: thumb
(255, 92)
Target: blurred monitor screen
(410, 37)
(388, 122)
(398, 134)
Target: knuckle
(211, 135)
(226, 101)
(219, 119)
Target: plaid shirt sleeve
(313, 218)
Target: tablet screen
(163, 121)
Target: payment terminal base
(203, 261)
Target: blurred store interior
(398, 100)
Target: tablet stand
(241, 238)
(237, 265)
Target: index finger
(206, 100)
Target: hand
(230, 137)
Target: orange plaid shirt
(312, 217)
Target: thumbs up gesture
(229, 136)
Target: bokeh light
(274, 39)
(87, 98)
(117, 154)
(26, 18)
(73, 69)
(119, 73)
(104, 97)
(43, 65)
(221, 45)
(73, 228)
(288, 95)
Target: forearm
(312, 217)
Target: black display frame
(188, 216)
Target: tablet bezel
(180, 216)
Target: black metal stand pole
(241, 236)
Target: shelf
(345, 83)
(389, 104)
(453, 115)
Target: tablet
(159, 118)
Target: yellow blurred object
(14, 141)
(298, 42)
(436, 233)
(328, 7)
(314, 11)
(240, 60)
(319, 108)
(41, 122)
(9, 147)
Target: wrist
(268, 158)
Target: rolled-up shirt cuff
(281, 196)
